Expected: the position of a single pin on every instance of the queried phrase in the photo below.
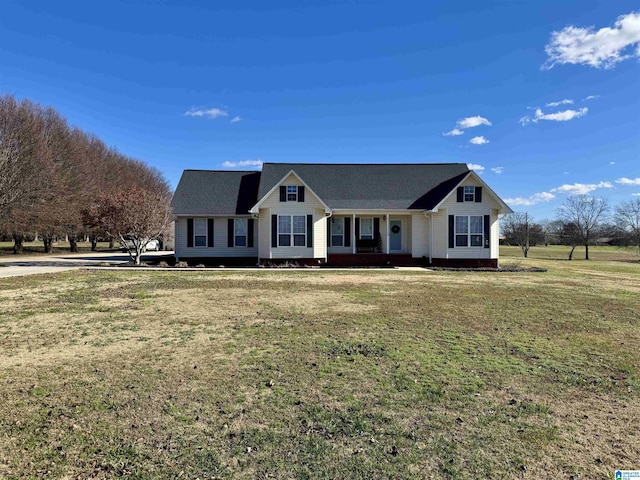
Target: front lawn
(320, 374)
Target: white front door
(395, 235)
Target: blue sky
(213, 85)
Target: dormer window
(292, 193)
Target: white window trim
(468, 234)
(341, 235)
(292, 234)
(291, 193)
(206, 233)
(246, 235)
(473, 194)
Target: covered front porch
(372, 260)
(369, 234)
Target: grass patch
(377, 374)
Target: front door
(395, 235)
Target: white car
(151, 246)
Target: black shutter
(250, 232)
(478, 194)
(460, 193)
(487, 232)
(357, 227)
(347, 232)
(230, 233)
(189, 232)
(452, 235)
(329, 220)
(274, 231)
(301, 194)
(210, 232)
(283, 193)
(376, 228)
(309, 230)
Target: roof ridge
(362, 164)
(220, 171)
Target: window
(292, 231)
(200, 232)
(292, 193)
(475, 230)
(299, 231)
(469, 231)
(366, 228)
(284, 231)
(469, 194)
(337, 232)
(240, 232)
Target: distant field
(6, 248)
(280, 374)
(559, 252)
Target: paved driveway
(17, 265)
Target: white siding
(264, 229)
(451, 206)
(220, 248)
(311, 206)
(420, 235)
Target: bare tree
(23, 174)
(586, 215)
(515, 228)
(134, 215)
(628, 219)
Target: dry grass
(376, 374)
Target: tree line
(61, 182)
(581, 220)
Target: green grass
(276, 374)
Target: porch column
(387, 243)
(353, 234)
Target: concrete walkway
(18, 265)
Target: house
(338, 214)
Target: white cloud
(601, 48)
(479, 140)
(563, 116)
(581, 188)
(532, 200)
(590, 97)
(471, 122)
(628, 181)
(210, 113)
(635, 194)
(235, 119)
(612, 163)
(497, 170)
(453, 133)
(475, 166)
(243, 163)
(566, 101)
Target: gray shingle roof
(210, 192)
(340, 186)
(371, 186)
